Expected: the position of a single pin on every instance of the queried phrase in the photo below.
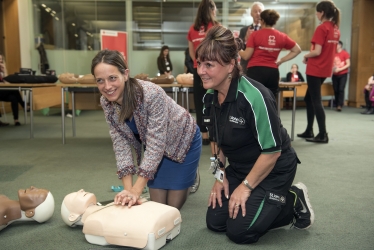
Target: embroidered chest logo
(236, 120)
(271, 40)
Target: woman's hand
(130, 197)
(216, 193)
(238, 199)
(305, 60)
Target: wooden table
(42, 95)
(71, 88)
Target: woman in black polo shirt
(254, 193)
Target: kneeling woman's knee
(244, 237)
(215, 223)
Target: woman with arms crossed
(140, 113)
(255, 193)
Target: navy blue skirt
(178, 176)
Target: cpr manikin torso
(145, 226)
(34, 205)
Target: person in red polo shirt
(319, 63)
(340, 73)
(263, 48)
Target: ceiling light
(57, 18)
(73, 24)
(43, 5)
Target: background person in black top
(163, 61)
(241, 115)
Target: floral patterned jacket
(165, 128)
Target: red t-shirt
(327, 35)
(196, 36)
(267, 44)
(340, 61)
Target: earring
(229, 76)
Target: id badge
(219, 175)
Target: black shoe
(306, 134)
(196, 184)
(320, 138)
(303, 211)
(17, 124)
(368, 112)
(3, 124)
(206, 142)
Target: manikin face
(213, 75)
(166, 52)
(110, 81)
(255, 13)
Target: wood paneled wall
(362, 50)
(11, 36)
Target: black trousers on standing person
(313, 100)
(198, 94)
(339, 82)
(14, 97)
(262, 212)
(269, 77)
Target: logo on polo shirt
(236, 120)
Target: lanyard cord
(219, 139)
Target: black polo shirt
(247, 121)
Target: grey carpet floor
(339, 176)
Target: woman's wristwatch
(245, 182)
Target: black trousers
(367, 99)
(313, 100)
(14, 97)
(339, 82)
(198, 94)
(269, 77)
(262, 213)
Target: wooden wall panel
(362, 50)
(11, 36)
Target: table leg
(31, 115)
(182, 90)
(25, 105)
(293, 113)
(187, 101)
(73, 111)
(63, 114)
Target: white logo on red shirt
(271, 40)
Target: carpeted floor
(339, 176)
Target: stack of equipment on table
(185, 79)
(146, 226)
(162, 79)
(69, 78)
(28, 76)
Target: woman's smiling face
(110, 81)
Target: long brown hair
(132, 89)
(205, 15)
(220, 45)
(330, 11)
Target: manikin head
(74, 206)
(37, 203)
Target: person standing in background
(263, 48)
(256, 9)
(163, 61)
(319, 63)
(340, 73)
(205, 19)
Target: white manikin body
(145, 226)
